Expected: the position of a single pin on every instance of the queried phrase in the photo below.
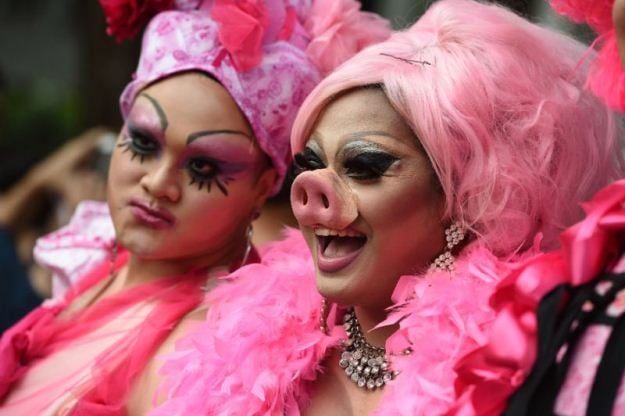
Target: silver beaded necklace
(363, 363)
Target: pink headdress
(607, 77)
(268, 54)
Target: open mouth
(337, 249)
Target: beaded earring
(454, 234)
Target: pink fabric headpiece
(268, 54)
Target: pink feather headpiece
(268, 54)
(607, 77)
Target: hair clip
(408, 61)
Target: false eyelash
(307, 160)
(127, 146)
(369, 165)
(220, 183)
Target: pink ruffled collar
(489, 375)
(261, 345)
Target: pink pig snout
(319, 197)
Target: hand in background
(64, 174)
(45, 198)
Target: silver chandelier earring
(454, 234)
(248, 245)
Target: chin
(140, 245)
(337, 289)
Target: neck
(368, 318)
(143, 270)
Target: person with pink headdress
(431, 165)
(204, 143)
(556, 346)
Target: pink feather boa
(606, 77)
(261, 346)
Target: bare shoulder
(144, 389)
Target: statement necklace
(363, 363)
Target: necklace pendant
(363, 363)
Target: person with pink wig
(431, 165)
(204, 143)
(557, 342)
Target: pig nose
(319, 197)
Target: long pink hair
(499, 106)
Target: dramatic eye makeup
(365, 161)
(307, 160)
(205, 171)
(139, 142)
(216, 157)
(367, 164)
(212, 157)
(144, 129)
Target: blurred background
(60, 77)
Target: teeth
(326, 232)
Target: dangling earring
(248, 244)
(113, 258)
(250, 232)
(323, 316)
(454, 234)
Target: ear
(264, 185)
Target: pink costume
(273, 313)
(517, 356)
(70, 357)
(490, 374)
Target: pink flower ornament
(338, 29)
(242, 25)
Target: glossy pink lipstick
(157, 218)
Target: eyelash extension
(127, 146)
(131, 142)
(307, 160)
(369, 165)
(216, 176)
(221, 184)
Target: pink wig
(499, 106)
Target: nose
(162, 182)
(320, 197)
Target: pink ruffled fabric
(74, 250)
(606, 77)
(338, 30)
(489, 375)
(261, 344)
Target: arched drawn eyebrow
(159, 110)
(365, 133)
(197, 135)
